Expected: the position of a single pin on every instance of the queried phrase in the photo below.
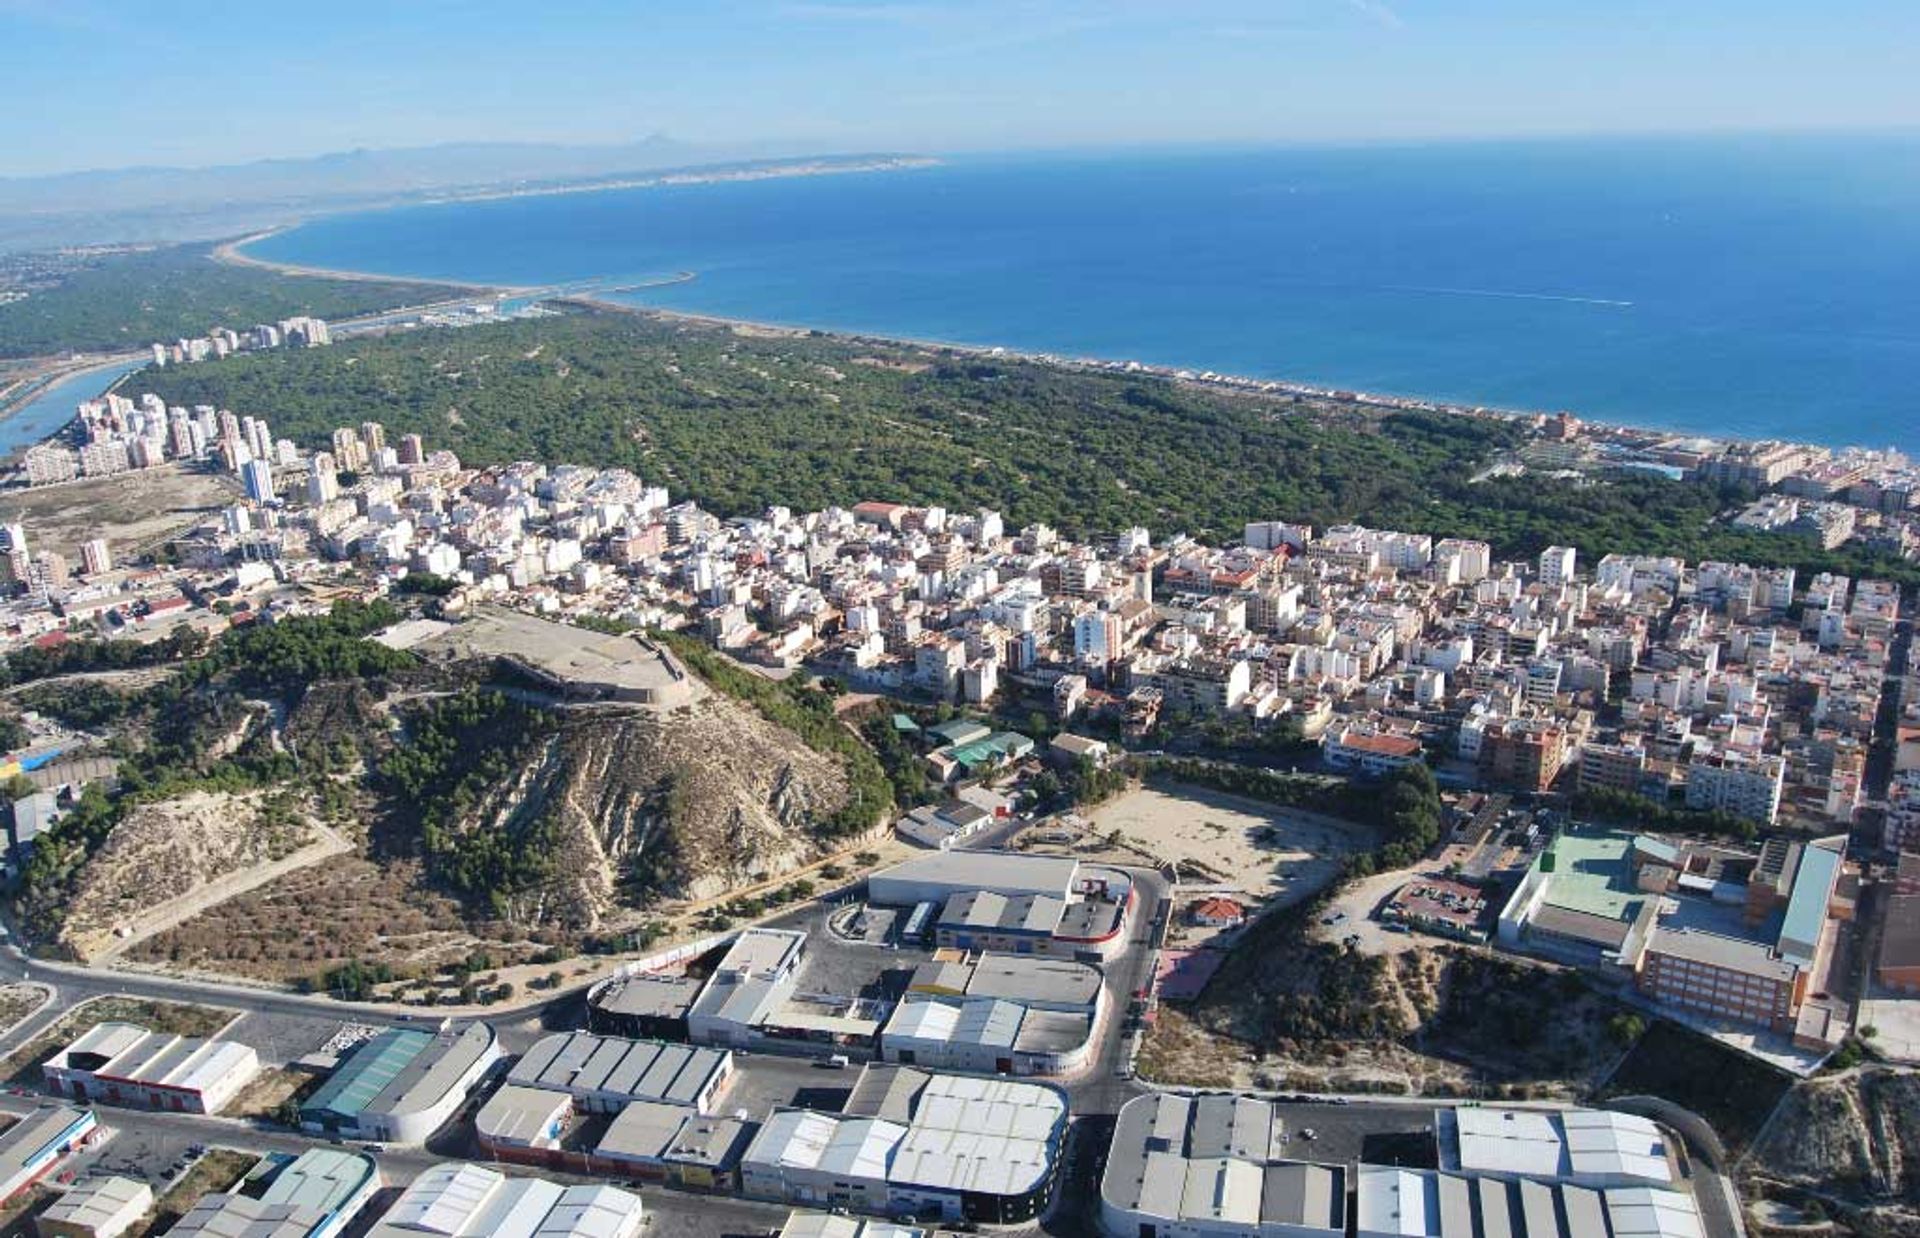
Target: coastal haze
(1732, 287)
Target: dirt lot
(273, 1087)
(218, 1170)
(22, 1068)
(131, 510)
(1269, 854)
(17, 1001)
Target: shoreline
(1240, 383)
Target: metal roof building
(523, 1117)
(313, 1195)
(1424, 1203)
(402, 1085)
(96, 1208)
(122, 1064)
(938, 877)
(986, 1036)
(459, 1200)
(1204, 1167)
(31, 1146)
(603, 1074)
(909, 1141)
(1585, 1147)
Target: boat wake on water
(1512, 296)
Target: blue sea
(1758, 287)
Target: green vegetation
(131, 300)
(1623, 808)
(76, 656)
(188, 718)
(738, 423)
(457, 748)
(1733, 1091)
(809, 713)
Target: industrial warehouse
(401, 1085)
(313, 1195)
(472, 1201)
(120, 1064)
(604, 1074)
(909, 1142)
(1211, 1166)
(1206, 1167)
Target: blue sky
(95, 83)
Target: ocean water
(1735, 286)
(54, 407)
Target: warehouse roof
(460, 1200)
(93, 1204)
(962, 1133)
(401, 1071)
(523, 1115)
(1017, 913)
(1025, 978)
(1593, 1145)
(955, 871)
(132, 1054)
(1207, 1158)
(581, 1062)
(983, 1022)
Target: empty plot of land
(130, 510)
(1266, 852)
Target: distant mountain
(178, 204)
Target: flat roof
(1001, 872)
(1806, 912)
(1024, 978)
(647, 994)
(1592, 873)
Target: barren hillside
(1854, 1140)
(629, 803)
(172, 849)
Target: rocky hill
(1853, 1140)
(625, 804)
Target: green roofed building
(1580, 900)
(401, 1085)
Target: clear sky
(108, 83)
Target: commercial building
(401, 1085)
(937, 878)
(1205, 1167)
(1584, 1147)
(1898, 966)
(643, 1005)
(121, 1064)
(986, 1035)
(459, 1200)
(31, 1147)
(95, 1208)
(523, 1124)
(1424, 1203)
(657, 1142)
(1037, 983)
(605, 1074)
(913, 1143)
(314, 1195)
(804, 1224)
(755, 976)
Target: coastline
(234, 253)
(1241, 383)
